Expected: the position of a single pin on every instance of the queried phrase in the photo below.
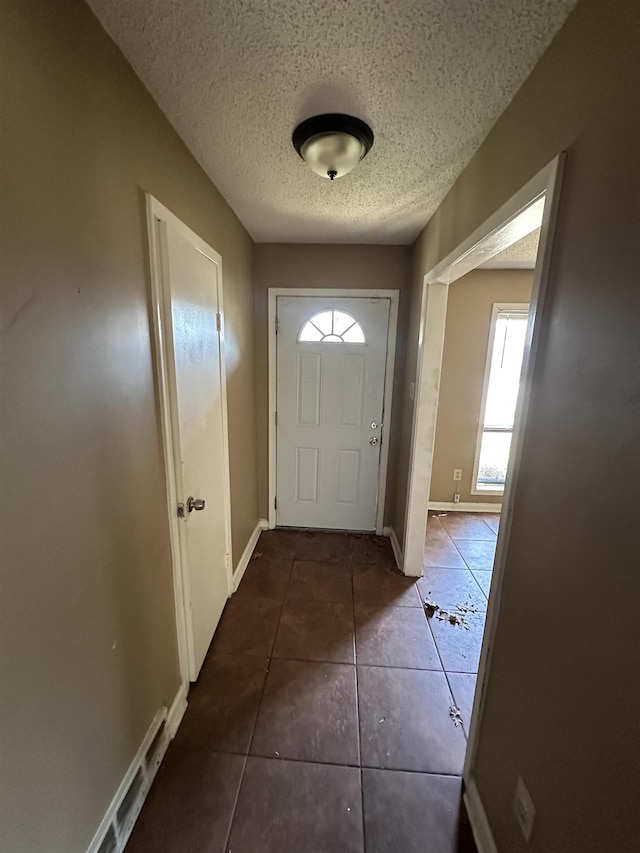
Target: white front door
(331, 359)
(195, 362)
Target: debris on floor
(256, 555)
(454, 617)
(456, 716)
(392, 570)
(372, 539)
(467, 607)
(430, 607)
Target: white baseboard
(450, 506)
(176, 711)
(397, 550)
(478, 818)
(138, 778)
(241, 568)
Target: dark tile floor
(321, 718)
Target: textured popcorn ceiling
(520, 255)
(235, 77)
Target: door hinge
(227, 560)
(275, 419)
(218, 322)
(277, 325)
(275, 503)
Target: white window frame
(322, 340)
(497, 308)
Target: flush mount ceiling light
(332, 144)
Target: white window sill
(498, 491)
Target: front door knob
(195, 503)
(373, 440)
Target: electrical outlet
(523, 809)
(457, 473)
(456, 498)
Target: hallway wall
(562, 671)
(88, 648)
(329, 266)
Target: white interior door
(331, 359)
(199, 446)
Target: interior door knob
(195, 503)
(373, 440)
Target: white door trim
(504, 227)
(394, 297)
(158, 214)
(517, 217)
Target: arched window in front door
(332, 327)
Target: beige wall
(328, 266)
(466, 339)
(88, 648)
(563, 670)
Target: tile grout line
(468, 567)
(377, 767)
(474, 538)
(255, 722)
(372, 665)
(446, 672)
(235, 803)
(270, 658)
(478, 585)
(359, 731)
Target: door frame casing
(504, 227)
(394, 297)
(158, 218)
(467, 256)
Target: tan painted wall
(328, 266)
(466, 339)
(88, 648)
(562, 670)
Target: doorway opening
(484, 339)
(534, 206)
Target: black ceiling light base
(333, 143)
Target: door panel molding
(158, 219)
(394, 297)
